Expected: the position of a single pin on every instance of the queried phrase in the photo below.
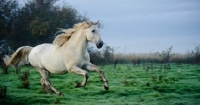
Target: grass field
(129, 85)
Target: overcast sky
(143, 26)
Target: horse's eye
(93, 31)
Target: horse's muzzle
(99, 44)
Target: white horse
(68, 53)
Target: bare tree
(108, 54)
(166, 55)
(196, 54)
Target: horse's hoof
(78, 85)
(105, 87)
(60, 94)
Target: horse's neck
(78, 42)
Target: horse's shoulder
(87, 56)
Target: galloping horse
(68, 53)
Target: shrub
(24, 78)
(3, 91)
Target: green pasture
(129, 85)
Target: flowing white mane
(67, 33)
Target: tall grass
(129, 85)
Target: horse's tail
(5, 60)
(19, 57)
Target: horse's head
(92, 34)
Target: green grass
(129, 85)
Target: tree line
(33, 23)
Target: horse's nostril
(100, 44)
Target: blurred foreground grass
(129, 85)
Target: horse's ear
(96, 22)
(89, 23)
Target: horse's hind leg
(45, 82)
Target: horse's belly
(56, 69)
(54, 65)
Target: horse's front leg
(78, 70)
(92, 67)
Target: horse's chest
(82, 57)
(81, 62)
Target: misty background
(133, 26)
(138, 26)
